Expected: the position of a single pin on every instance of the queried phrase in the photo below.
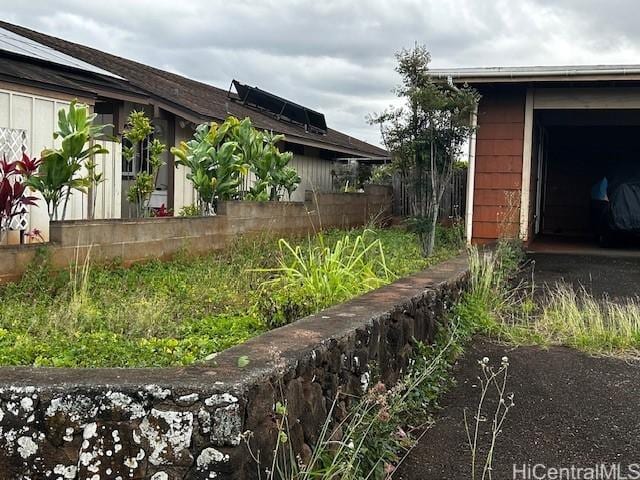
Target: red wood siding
(498, 167)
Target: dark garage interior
(574, 150)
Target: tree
(215, 169)
(425, 136)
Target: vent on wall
(280, 108)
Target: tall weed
(316, 275)
(559, 314)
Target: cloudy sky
(336, 56)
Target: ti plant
(219, 156)
(14, 196)
(216, 168)
(139, 129)
(60, 169)
(268, 163)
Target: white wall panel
(108, 203)
(183, 192)
(22, 114)
(43, 125)
(5, 115)
(315, 174)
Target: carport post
(471, 176)
(527, 145)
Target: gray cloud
(337, 56)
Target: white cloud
(337, 55)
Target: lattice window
(13, 143)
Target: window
(140, 162)
(105, 115)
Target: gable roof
(196, 101)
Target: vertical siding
(498, 164)
(108, 193)
(38, 116)
(183, 191)
(315, 173)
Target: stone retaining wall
(134, 240)
(188, 423)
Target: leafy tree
(425, 136)
(259, 150)
(60, 169)
(139, 129)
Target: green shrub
(192, 210)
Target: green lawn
(161, 313)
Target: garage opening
(580, 157)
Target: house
(40, 74)
(545, 136)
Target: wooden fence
(453, 201)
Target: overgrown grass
(558, 315)
(167, 313)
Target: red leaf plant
(162, 211)
(14, 197)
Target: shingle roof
(196, 99)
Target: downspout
(471, 174)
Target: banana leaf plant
(215, 167)
(14, 192)
(60, 170)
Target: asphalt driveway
(571, 409)
(617, 277)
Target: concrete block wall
(135, 240)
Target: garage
(581, 154)
(555, 154)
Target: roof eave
(328, 146)
(533, 75)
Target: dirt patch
(571, 409)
